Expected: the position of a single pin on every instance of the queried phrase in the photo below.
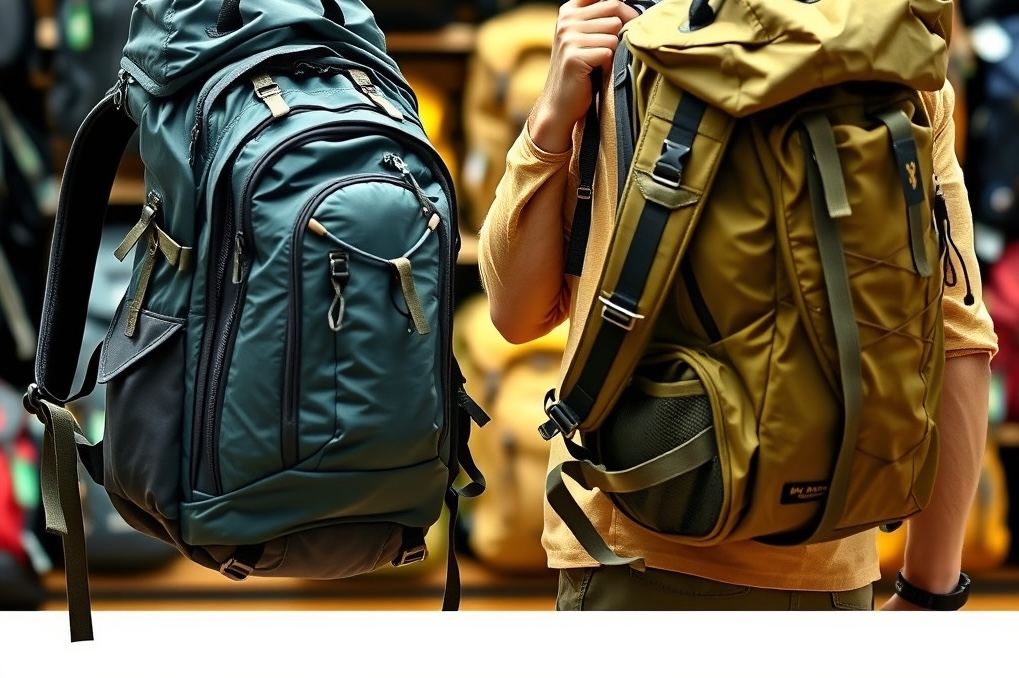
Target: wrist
(548, 131)
(933, 579)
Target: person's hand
(587, 33)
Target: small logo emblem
(911, 172)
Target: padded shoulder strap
(81, 211)
(674, 165)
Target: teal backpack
(281, 393)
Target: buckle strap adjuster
(617, 315)
(415, 554)
(561, 419)
(236, 570)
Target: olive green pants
(623, 588)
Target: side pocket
(144, 377)
(665, 406)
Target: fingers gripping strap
(823, 178)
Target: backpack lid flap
(759, 53)
(171, 43)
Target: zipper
(212, 90)
(700, 306)
(427, 206)
(223, 314)
(291, 380)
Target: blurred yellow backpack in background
(505, 74)
(508, 381)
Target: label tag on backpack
(797, 493)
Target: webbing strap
(451, 593)
(826, 185)
(588, 161)
(678, 461)
(632, 280)
(410, 294)
(907, 158)
(61, 502)
(622, 84)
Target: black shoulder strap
(622, 88)
(85, 187)
(88, 178)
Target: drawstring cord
(945, 229)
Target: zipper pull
(120, 94)
(238, 256)
(427, 207)
(941, 223)
(196, 131)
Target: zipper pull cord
(948, 245)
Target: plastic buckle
(235, 570)
(668, 170)
(562, 418)
(617, 315)
(411, 556)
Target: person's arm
(934, 541)
(522, 240)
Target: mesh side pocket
(644, 426)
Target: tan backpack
(764, 357)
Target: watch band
(934, 601)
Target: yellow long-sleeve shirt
(536, 180)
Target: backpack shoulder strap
(88, 177)
(674, 164)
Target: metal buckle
(584, 192)
(617, 315)
(411, 556)
(267, 91)
(235, 570)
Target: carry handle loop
(230, 19)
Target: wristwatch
(934, 601)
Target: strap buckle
(560, 417)
(617, 315)
(668, 170)
(412, 555)
(235, 570)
